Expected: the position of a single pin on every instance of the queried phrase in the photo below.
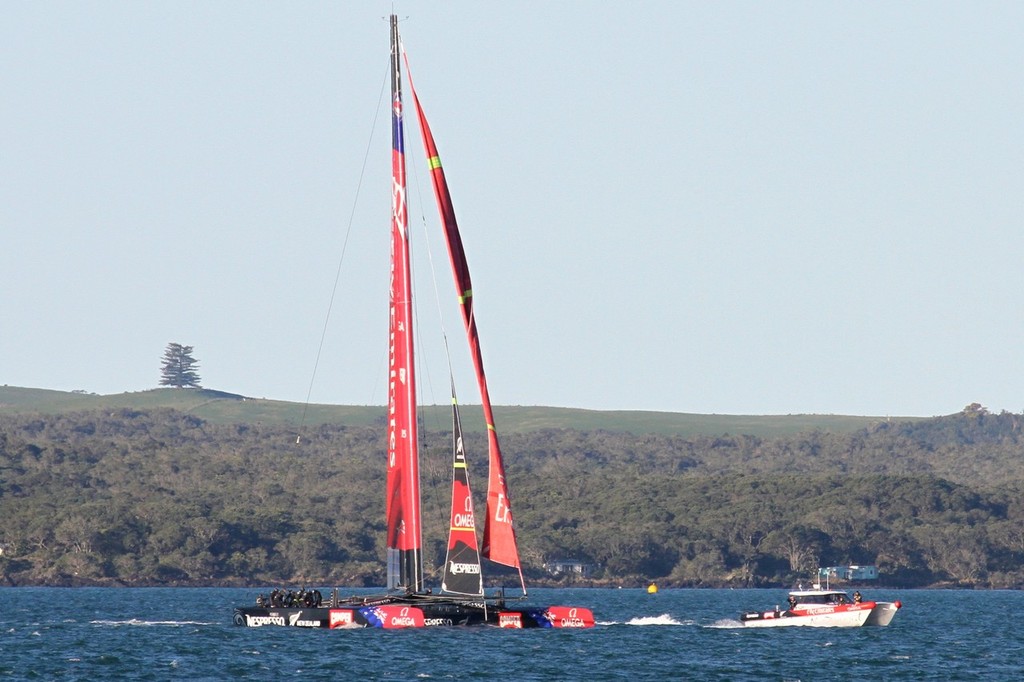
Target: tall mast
(404, 538)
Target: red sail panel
(499, 534)
(405, 567)
(462, 574)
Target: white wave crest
(135, 621)
(726, 624)
(663, 619)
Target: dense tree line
(162, 497)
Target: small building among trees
(569, 567)
(179, 367)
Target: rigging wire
(341, 259)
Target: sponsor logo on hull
(393, 616)
(570, 617)
(510, 620)
(822, 610)
(298, 621)
(258, 621)
(341, 618)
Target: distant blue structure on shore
(848, 572)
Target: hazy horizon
(688, 207)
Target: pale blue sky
(728, 207)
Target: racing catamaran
(407, 601)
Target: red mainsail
(404, 535)
(499, 543)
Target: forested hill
(230, 408)
(161, 496)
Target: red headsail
(499, 534)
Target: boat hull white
(883, 613)
(824, 609)
(824, 617)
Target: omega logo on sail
(465, 520)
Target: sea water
(187, 634)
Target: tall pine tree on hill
(179, 367)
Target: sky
(712, 208)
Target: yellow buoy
(652, 589)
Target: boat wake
(150, 623)
(663, 619)
(725, 624)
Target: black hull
(414, 612)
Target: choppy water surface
(186, 634)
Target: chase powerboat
(824, 608)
